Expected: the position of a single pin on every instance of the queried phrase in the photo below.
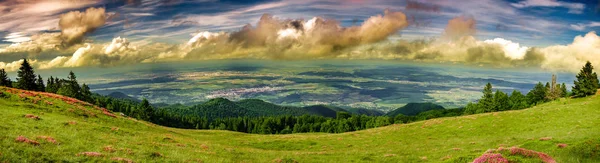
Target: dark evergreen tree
(486, 104)
(145, 110)
(587, 82)
(70, 87)
(26, 77)
(86, 94)
(564, 91)
(4, 80)
(537, 94)
(501, 101)
(40, 84)
(50, 85)
(517, 101)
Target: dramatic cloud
(12, 66)
(288, 39)
(295, 39)
(459, 27)
(573, 56)
(74, 25)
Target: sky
(549, 34)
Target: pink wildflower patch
(490, 158)
(31, 116)
(204, 146)
(108, 113)
(48, 139)
(89, 154)
(389, 155)
(561, 145)
(109, 149)
(531, 153)
(23, 139)
(119, 159)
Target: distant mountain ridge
(412, 109)
(121, 95)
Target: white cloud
(12, 66)
(17, 37)
(78, 57)
(584, 26)
(573, 56)
(511, 49)
(118, 45)
(574, 8)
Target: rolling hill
(42, 127)
(224, 108)
(412, 109)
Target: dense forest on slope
(413, 109)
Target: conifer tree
(26, 77)
(486, 104)
(50, 85)
(517, 101)
(587, 82)
(4, 80)
(86, 93)
(40, 84)
(501, 101)
(564, 92)
(70, 87)
(537, 94)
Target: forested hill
(412, 109)
(224, 108)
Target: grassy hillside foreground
(39, 127)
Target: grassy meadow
(42, 127)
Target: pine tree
(4, 80)
(26, 77)
(537, 94)
(517, 101)
(69, 87)
(86, 93)
(563, 90)
(40, 84)
(486, 104)
(50, 85)
(145, 111)
(586, 83)
(501, 101)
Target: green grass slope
(77, 127)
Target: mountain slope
(78, 127)
(412, 109)
(268, 109)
